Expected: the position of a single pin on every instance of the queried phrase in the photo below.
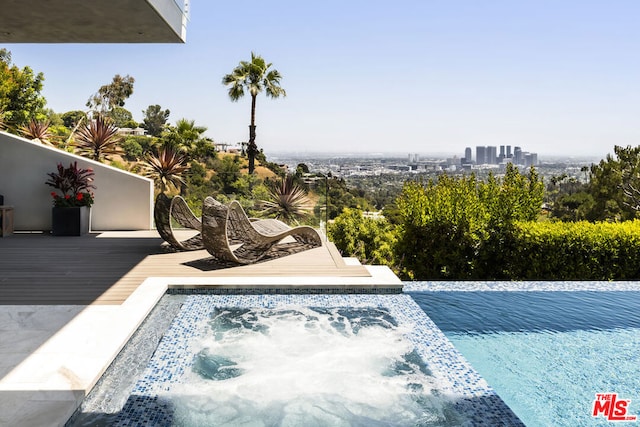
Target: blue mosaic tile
(283, 291)
(520, 286)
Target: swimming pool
(546, 348)
(306, 360)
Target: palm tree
(255, 77)
(166, 168)
(185, 136)
(288, 201)
(98, 139)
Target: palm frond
(38, 131)
(288, 201)
(98, 139)
(166, 168)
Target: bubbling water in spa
(306, 366)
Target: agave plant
(38, 131)
(288, 201)
(166, 167)
(98, 139)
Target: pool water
(548, 353)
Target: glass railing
(175, 13)
(183, 5)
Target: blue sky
(421, 76)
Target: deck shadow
(40, 269)
(278, 251)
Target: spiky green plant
(38, 131)
(98, 139)
(166, 168)
(287, 201)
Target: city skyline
(412, 76)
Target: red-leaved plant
(75, 185)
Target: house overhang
(94, 21)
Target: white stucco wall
(123, 201)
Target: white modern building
(94, 21)
(123, 200)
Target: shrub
(454, 228)
(574, 251)
(132, 149)
(370, 240)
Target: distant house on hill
(135, 132)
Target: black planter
(70, 221)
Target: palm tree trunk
(252, 148)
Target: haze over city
(384, 77)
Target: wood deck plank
(40, 269)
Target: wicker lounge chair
(226, 226)
(176, 207)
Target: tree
(604, 186)
(611, 183)
(112, 95)
(185, 136)
(228, 172)
(573, 207)
(71, 118)
(154, 119)
(20, 98)
(121, 117)
(132, 148)
(302, 169)
(253, 77)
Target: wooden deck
(38, 269)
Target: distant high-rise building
(517, 154)
(509, 155)
(467, 156)
(502, 151)
(481, 155)
(492, 155)
(530, 159)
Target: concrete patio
(69, 304)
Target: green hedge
(573, 251)
(527, 251)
